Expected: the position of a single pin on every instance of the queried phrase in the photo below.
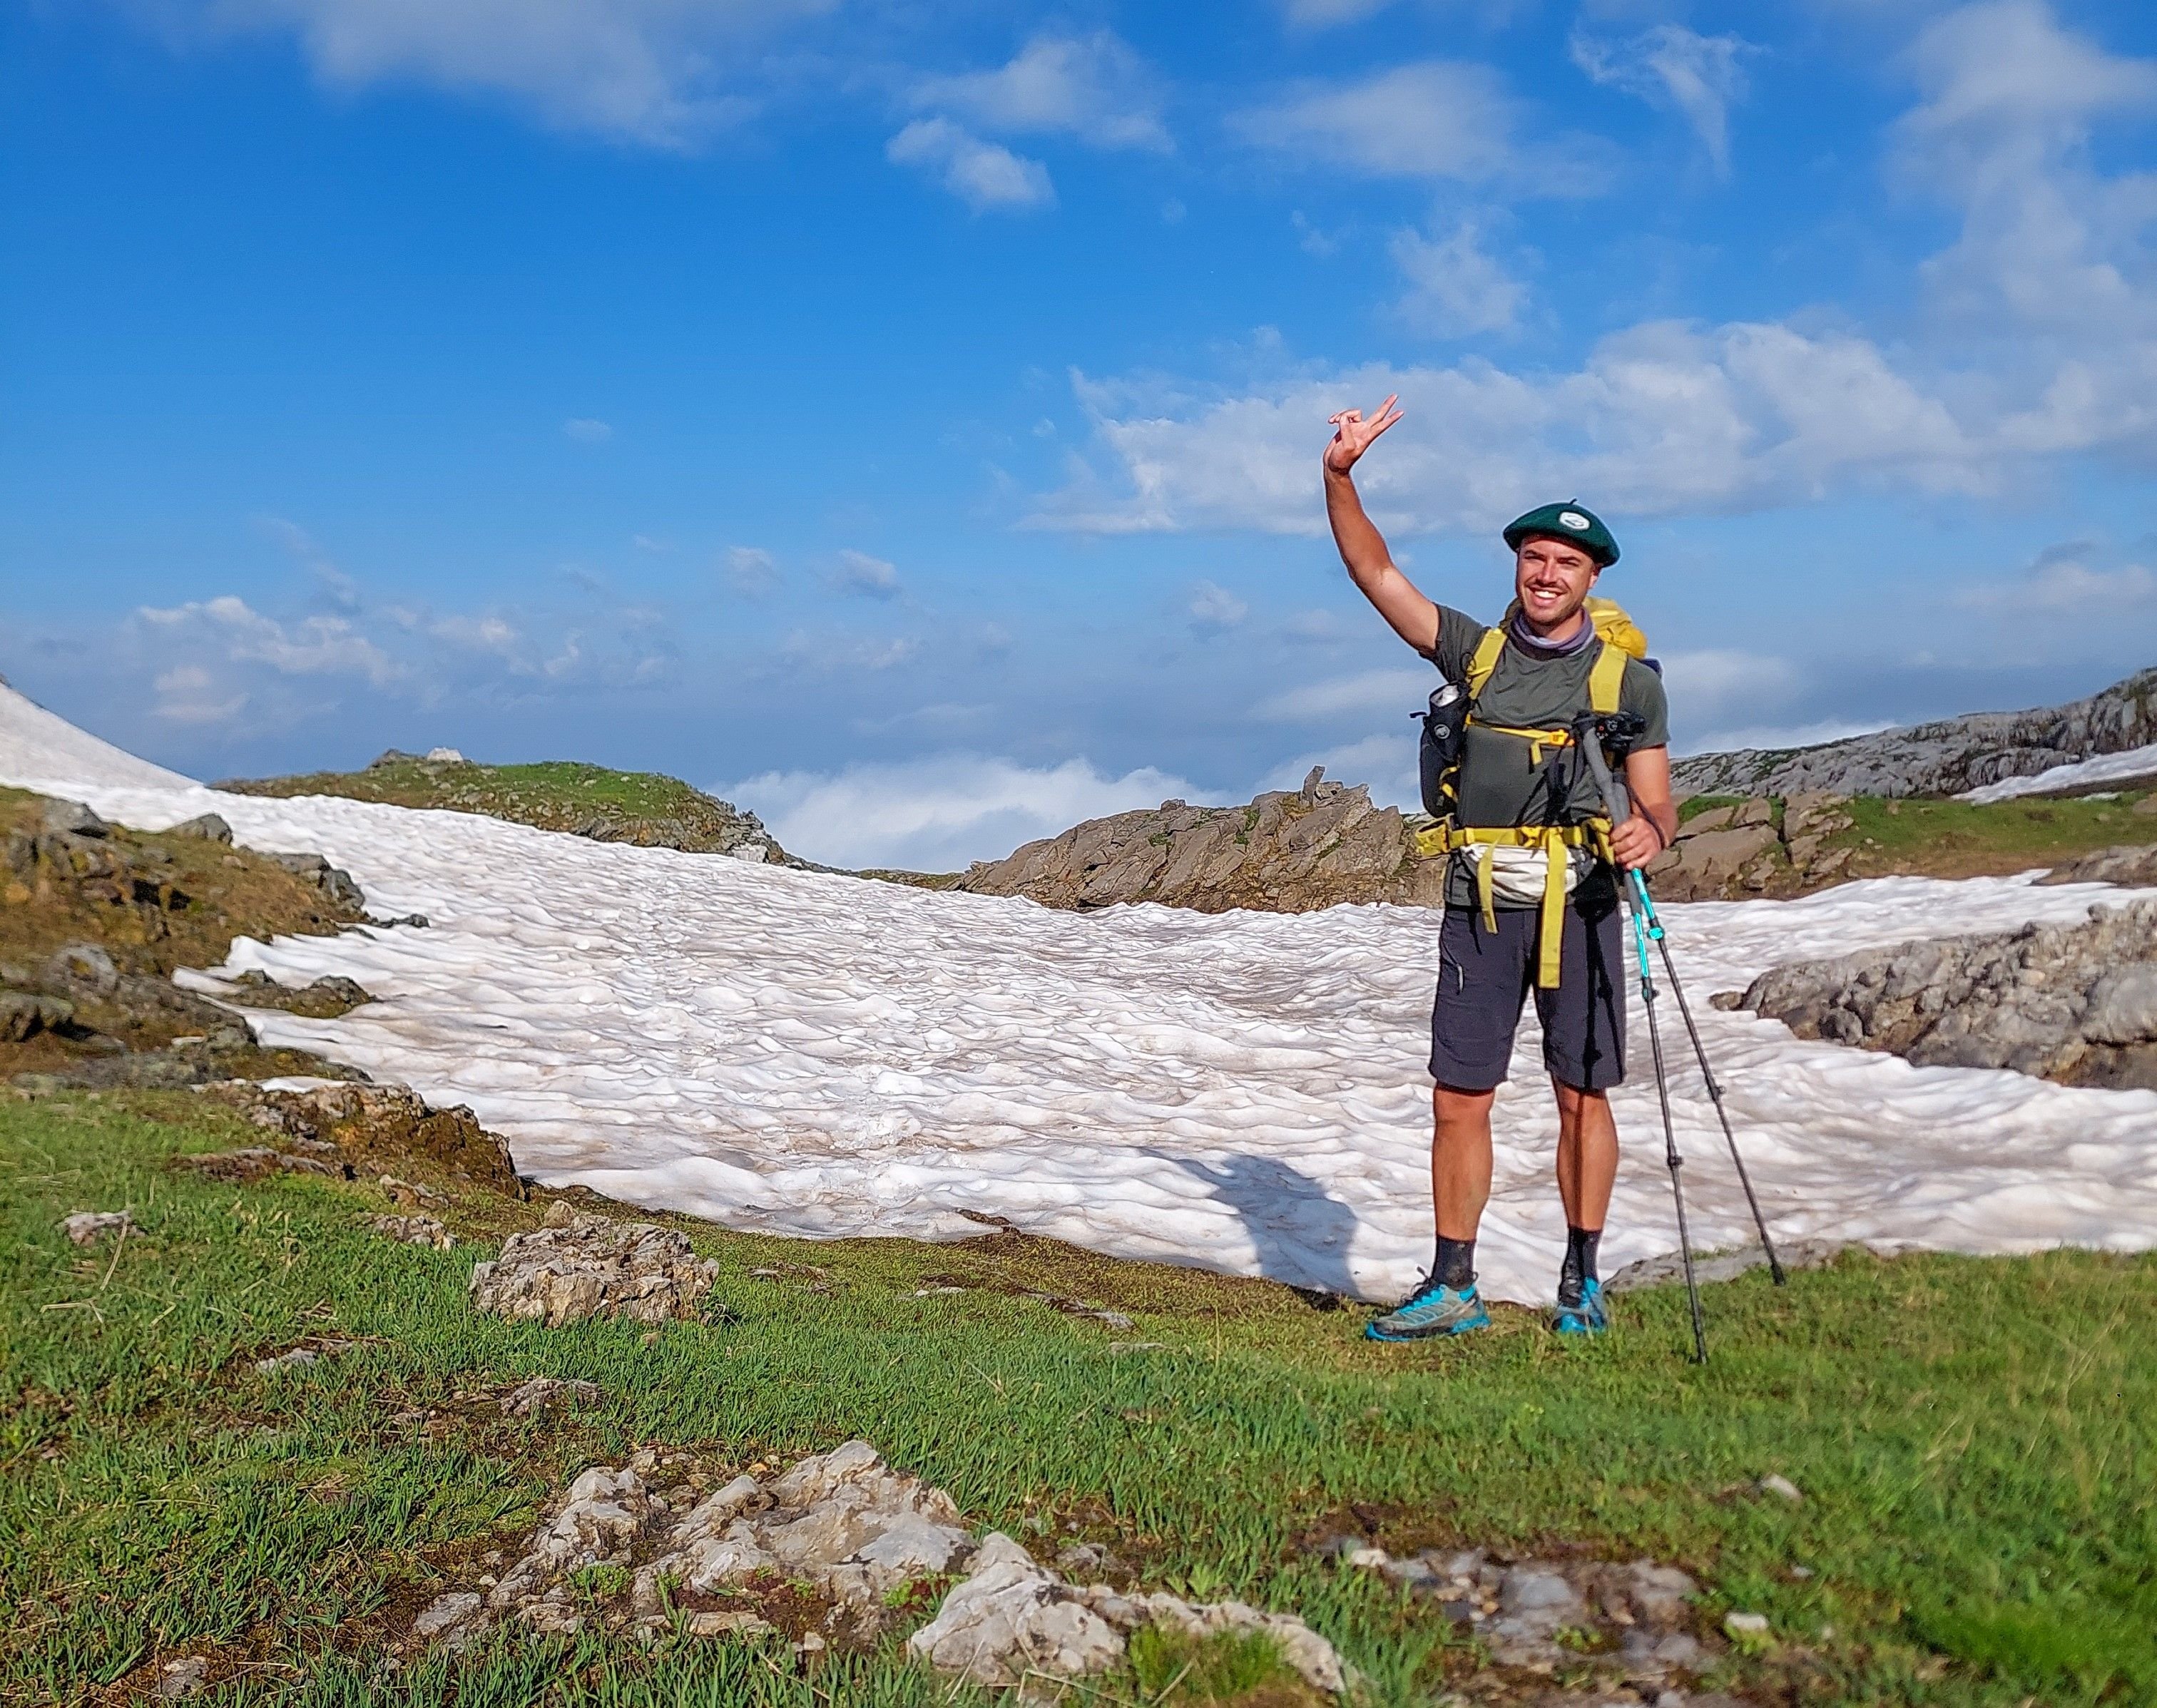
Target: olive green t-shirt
(1501, 784)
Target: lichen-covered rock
(2077, 1004)
(585, 1266)
(1292, 851)
(370, 1125)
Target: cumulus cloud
(1456, 288)
(1094, 87)
(319, 646)
(2009, 102)
(937, 814)
(1670, 66)
(660, 72)
(987, 177)
(1664, 418)
(1439, 119)
(873, 577)
(1214, 609)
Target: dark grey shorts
(1484, 976)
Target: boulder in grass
(207, 827)
(578, 1267)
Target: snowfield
(825, 1055)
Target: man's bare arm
(1370, 565)
(1654, 824)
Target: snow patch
(816, 1055)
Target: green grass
(1974, 1440)
(555, 796)
(2013, 834)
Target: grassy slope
(1956, 839)
(632, 806)
(1974, 1439)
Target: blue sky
(904, 418)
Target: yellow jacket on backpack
(1618, 638)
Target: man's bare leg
(1587, 1155)
(1460, 1159)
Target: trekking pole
(1590, 741)
(1644, 904)
(1676, 1162)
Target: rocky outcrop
(2077, 1004)
(578, 1267)
(1941, 758)
(1750, 848)
(825, 1554)
(1291, 852)
(367, 1128)
(2131, 866)
(1520, 1608)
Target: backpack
(1444, 736)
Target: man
(1530, 896)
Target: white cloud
(188, 694)
(1669, 65)
(1455, 289)
(2048, 246)
(1664, 418)
(342, 590)
(873, 577)
(987, 177)
(490, 635)
(1434, 119)
(937, 814)
(318, 645)
(1369, 693)
(661, 73)
(1092, 87)
(2061, 584)
(751, 569)
(587, 431)
(1214, 609)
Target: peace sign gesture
(1352, 435)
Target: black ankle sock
(1455, 1264)
(1580, 1244)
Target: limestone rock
(588, 1266)
(24, 1014)
(1705, 864)
(87, 1227)
(1315, 847)
(336, 884)
(208, 827)
(415, 1230)
(2077, 1004)
(374, 1124)
(1941, 758)
(71, 818)
(2133, 866)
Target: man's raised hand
(1352, 435)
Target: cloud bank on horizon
(914, 419)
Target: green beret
(1565, 522)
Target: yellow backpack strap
(1606, 678)
(1485, 661)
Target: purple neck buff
(1518, 629)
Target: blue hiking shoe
(1434, 1308)
(1583, 1315)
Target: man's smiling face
(1551, 579)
